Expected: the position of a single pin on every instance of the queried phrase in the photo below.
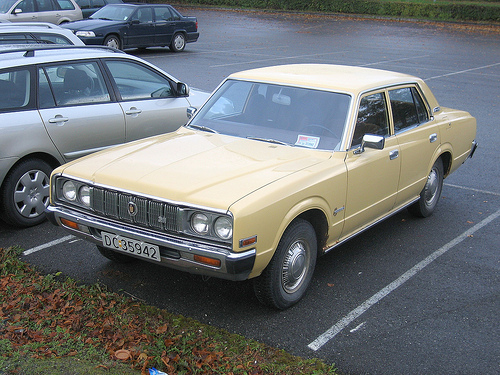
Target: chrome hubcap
(31, 196)
(113, 43)
(295, 267)
(179, 42)
(431, 187)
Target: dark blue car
(137, 26)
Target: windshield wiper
(204, 128)
(270, 140)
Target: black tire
(25, 193)
(113, 41)
(286, 278)
(178, 42)
(115, 256)
(430, 194)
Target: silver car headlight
(85, 34)
(223, 227)
(69, 191)
(200, 223)
(84, 195)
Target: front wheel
(112, 41)
(429, 196)
(285, 280)
(25, 193)
(178, 42)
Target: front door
(372, 174)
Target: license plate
(130, 246)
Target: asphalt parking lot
(408, 296)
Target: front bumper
(176, 253)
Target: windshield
(5, 5)
(113, 13)
(277, 114)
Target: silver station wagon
(60, 103)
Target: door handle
(133, 111)
(394, 154)
(58, 119)
(433, 138)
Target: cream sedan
(280, 165)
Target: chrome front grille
(133, 209)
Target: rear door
(79, 112)
(165, 22)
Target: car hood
(91, 24)
(198, 168)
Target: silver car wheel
(112, 41)
(295, 265)
(31, 195)
(178, 42)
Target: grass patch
(50, 324)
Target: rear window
(15, 86)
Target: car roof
(45, 25)
(37, 54)
(350, 79)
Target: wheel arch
(49, 159)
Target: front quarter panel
(267, 212)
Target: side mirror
(182, 89)
(371, 141)
(135, 22)
(17, 11)
(190, 111)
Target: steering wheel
(317, 126)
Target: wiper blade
(204, 128)
(270, 140)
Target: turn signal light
(206, 260)
(70, 224)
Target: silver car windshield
(5, 5)
(277, 114)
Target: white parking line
(358, 311)
(48, 244)
(472, 189)
(463, 71)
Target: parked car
(89, 7)
(280, 165)
(53, 11)
(124, 26)
(60, 103)
(36, 33)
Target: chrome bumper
(176, 253)
(472, 149)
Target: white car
(53, 11)
(36, 33)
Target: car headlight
(85, 195)
(85, 34)
(200, 223)
(69, 191)
(223, 228)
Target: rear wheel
(178, 42)
(25, 193)
(430, 194)
(115, 256)
(112, 41)
(285, 280)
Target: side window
(44, 5)
(16, 38)
(135, 81)
(162, 14)
(26, 6)
(144, 15)
(15, 86)
(52, 39)
(175, 15)
(98, 3)
(372, 118)
(65, 5)
(73, 84)
(408, 108)
(84, 4)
